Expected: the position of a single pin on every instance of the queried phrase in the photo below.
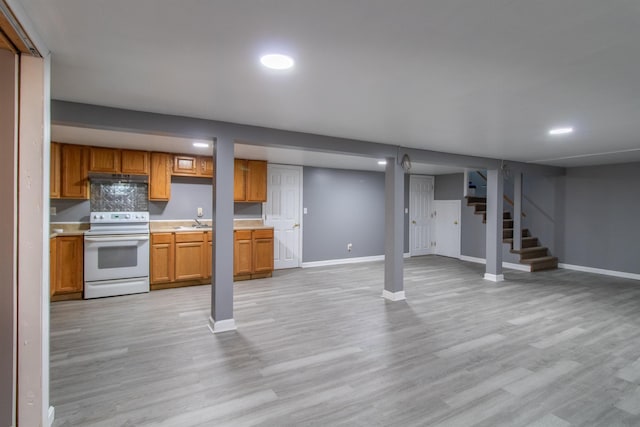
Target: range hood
(98, 177)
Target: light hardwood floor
(320, 347)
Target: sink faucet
(198, 223)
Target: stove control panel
(118, 217)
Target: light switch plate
(52, 211)
(200, 213)
(304, 211)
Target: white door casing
(447, 228)
(420, 214)
(282, 212)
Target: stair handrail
(506, 198)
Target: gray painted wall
(448, 187)
(187, 195)
(343, 207)
(601, 208)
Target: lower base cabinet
(180, 259)
(66, 261)
(252, 254)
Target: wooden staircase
(532, 254)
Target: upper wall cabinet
(250, 181)
(104, 160)
(112, 160)
(160, 176)
(54, 171)
(134, 162)
(74, 161)
(186, 165)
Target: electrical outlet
(349, 247)
(200, 213)
(52, 211)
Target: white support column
(517, 212)
(495, 191)
(394, 231)
(465, 189)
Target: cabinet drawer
(157, 238)
(263, 234)
(190, 237)
(242, 234)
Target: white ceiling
(479, 77)
(170, 144)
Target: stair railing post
(517, 212)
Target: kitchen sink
(191, 227)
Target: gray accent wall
(449, 187)
(343, 207)
(601, 209)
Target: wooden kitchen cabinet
(54, 171)
(239, 180)
(242, 252)
(262, 241)
(160, 176)
(206, 166)
(208, 235)
(162, 258)
(67, 260)
(74, 161)
(186, 165)
(134, 162)
(106, 160)
(190, 255)
(252, 253)
(250, 181)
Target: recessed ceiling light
(561, 131)
(382, 162)
(201, 144)
(277, 61)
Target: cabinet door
(160, 177)
(262, 251)
(242, 253)
(53, 261)
(54, 171)
(205, 166)
(161, 258)
(239, 180)
(256, 181)
(104, 160)
(185, 165)
(208, 255)
(69, 264)
(135, 162)
(189, 260)
(73, 169)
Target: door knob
(455, 222)
(296, 225)
(413, 222)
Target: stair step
(507, 223)
(542, 263)
(527, 242)
(533, 252)
(476, 199)
(507, 233)
(480, 208)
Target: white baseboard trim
(393, 296)
(407, 255)
(510, 265)
(342, 261)
(494, 277)
(621, 274)
(221, 325)
(51, 415)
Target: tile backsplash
(119, 197)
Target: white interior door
(282, 212)
(447, 228)
(420, 203)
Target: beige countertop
(57, 229)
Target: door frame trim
(433, 183)
(300, 169)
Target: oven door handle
(115, 239)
